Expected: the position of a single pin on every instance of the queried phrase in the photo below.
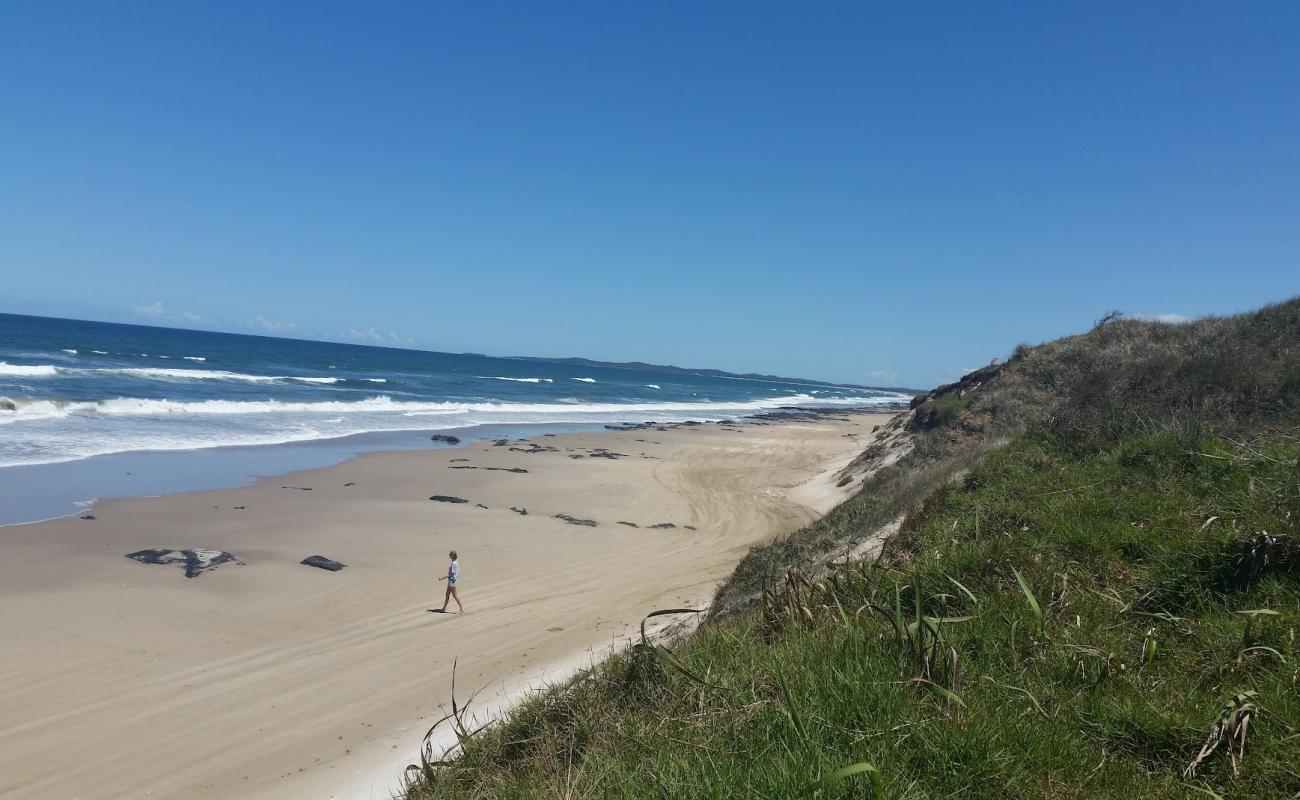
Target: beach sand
(270, 679)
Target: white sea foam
(652, 386)
(100, 352)
(516, 380)
(49, 370)
(377, 380)
(28, 371)
(564, 411)
(45, 431)
(586, 380)
(68, 351)
(209, 375)
(194, 358)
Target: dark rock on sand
(323, 562)
(299, 488)
(663, 525)
(445, 498)
(689, 527)
(520, 470)
(193, 561)
(480, 505)
(442, 437)
(590, 523)
(501, 443)
(519, 510)
(632, 426)
(350, 483)
(454, 460)
(629, 524)
(87, 516)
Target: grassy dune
(1093, 592)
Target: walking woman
(452, 579)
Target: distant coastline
(641, 366)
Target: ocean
(89, 390)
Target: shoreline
(272, 679)
(164, 473)
(65, 489)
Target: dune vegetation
(1090, 587)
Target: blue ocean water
(85, 389)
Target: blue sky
(869, 192)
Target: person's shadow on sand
(436, 610)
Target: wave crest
(28, 371)
(209, 375)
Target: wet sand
(270, 679)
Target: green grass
(1065, 621)
(1093, 592)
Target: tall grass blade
(969, 594)
(1033, 602)
(664, 612)
(873, 775)
(946, 694)
(796, 718)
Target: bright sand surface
(275, 680)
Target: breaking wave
(72, 430)
(50, 371)
(24, 371)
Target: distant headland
(708, 373)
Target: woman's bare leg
(456, 596)
(446, 598)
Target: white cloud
(372, 336)
(368, 335)
(150, 310)
(1169, 319)
(190, 316)
(274, 326)
(882, 375)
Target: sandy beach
(268, 678)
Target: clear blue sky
(879, 192)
